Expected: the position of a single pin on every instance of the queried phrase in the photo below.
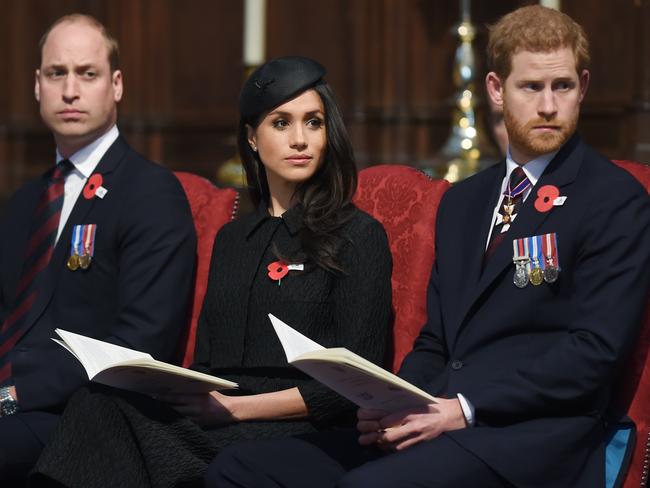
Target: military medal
(82, 247)
(73, 262)
(536, 274)
(508, 208)
(508, 205)
(520, 279)
(84, 261)
(522, 261)
(549, 251)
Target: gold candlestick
(459, 156)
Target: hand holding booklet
(137, 371)
(348, 374)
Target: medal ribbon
(537, 256)
(521, 187)
(549, 243)
(76, 246)
(89, 239)
(527, 254)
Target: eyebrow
(76, 68)
(290, 114)
(566, 79)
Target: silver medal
(550, 274)
(520, 279)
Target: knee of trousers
(232, 468)
(363, 477)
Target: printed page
(293, 342)
(96, 355)
(156, 378)
(364, 386)
(347, 373)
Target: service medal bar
(536, 260)
(551, 257)
(536, 273)
(82, 247)
(522, 260)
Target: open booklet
(125, 368)
(348, 374)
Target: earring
(254, 147)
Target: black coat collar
(292, 218)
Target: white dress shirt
(85, 160)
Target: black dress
(110, 439)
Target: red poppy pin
(94, 187)
(546, 195)
(278, 270)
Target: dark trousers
(22, 438)
(330, 459)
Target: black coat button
(456, 365)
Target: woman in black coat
(307, 255)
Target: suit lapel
(561, 172)
(109, 162)
(478, 222)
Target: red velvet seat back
(634, 387)
(212, 207)
(405, 201)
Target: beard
(522, 137)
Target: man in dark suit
(535, 299)
(102, 245)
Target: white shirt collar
(86, 159)
(533, 168)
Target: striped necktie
(38, 252)
(513, 197)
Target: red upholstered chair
(405, 201)
(212, 207)
(634, 388)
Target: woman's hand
(205, 409)
(215, 408)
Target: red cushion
(405, 201)
(212, 207)
(633, 392)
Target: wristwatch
(8, 404)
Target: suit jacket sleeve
(428, 357)
(610, 286)
(156, 261)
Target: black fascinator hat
(275, 82)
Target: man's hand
(204, 408)
(400, 430)
(12, 392)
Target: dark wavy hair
(326, 197)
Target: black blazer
(136, 291)
(537, 363)
(235, 338)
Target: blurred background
(394, 65)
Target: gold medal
(84, 261)
(536, 276)
(73, 262)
